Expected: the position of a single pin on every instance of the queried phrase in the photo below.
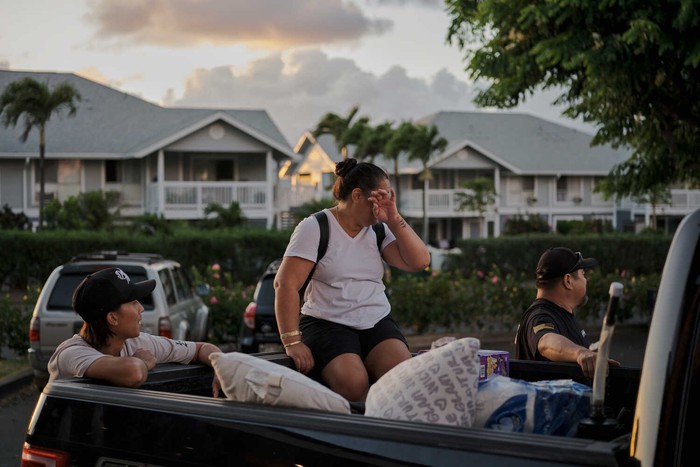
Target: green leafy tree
(223, 217)
(629, 67)
(480, 196)
(425, 142)
(343, 129)
(36, 102)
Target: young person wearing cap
(548, 329)
(111, 346)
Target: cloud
(257, 23)
(94, 74)
(299, 88)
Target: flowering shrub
(227, 300)
(15, 315)
(493, 302)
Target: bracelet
(291, 344)
(290, 334)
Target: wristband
(291, 344)
(290, 334)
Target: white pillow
(246, 378)
(438, 386)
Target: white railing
(195, 196)
(682, 201)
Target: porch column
(271, 177)
(497, 188)
(159, 182)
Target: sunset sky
(297, 59)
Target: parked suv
(259, 331)
(173, 309)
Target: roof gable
(523, 143)
(110, 122)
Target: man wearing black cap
(111, 346)
(548, 329)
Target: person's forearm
(411, 248)
(558, 348)
(287, 312)
(204, 349)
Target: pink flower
(494, 280)
(622, 273)
(213, 300)
(216, 267)
(216, 275)
(480, 274)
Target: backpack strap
(322, 247)
(381, 233)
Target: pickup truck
(173, 420)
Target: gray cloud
(318, 84)
(261, 23)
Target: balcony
(187, 200)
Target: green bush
(15, 315)
(14, 221)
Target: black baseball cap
(105, 290)
(559, 261)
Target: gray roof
(111, 123)
(523, 143)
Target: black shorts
(327, 340)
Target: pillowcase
(438, 386)
(246, 378)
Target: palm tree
(37, 103)
(425, 142)
(373, 140)
(340, 128)
(399, 142)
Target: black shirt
(543, 317)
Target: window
(112, 172)
(183, 284)
(562, 189)
(168, 286)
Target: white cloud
(258, 23)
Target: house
(175, 161)
(538, 168)
(169, 161)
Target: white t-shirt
(347, 286)
(73, 356)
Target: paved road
(15, 411)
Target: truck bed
(189, 427)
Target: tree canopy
(628, 66)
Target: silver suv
(173, 309)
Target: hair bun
(345, 166)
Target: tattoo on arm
(402, 224)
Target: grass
(11, 366)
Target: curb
(12, 383)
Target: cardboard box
(493, 362)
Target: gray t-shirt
(73, 356)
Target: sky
(296, 59)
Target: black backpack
(323, 244)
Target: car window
(183, 284)
(61, 298)
(168, 286)
(266, 291)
